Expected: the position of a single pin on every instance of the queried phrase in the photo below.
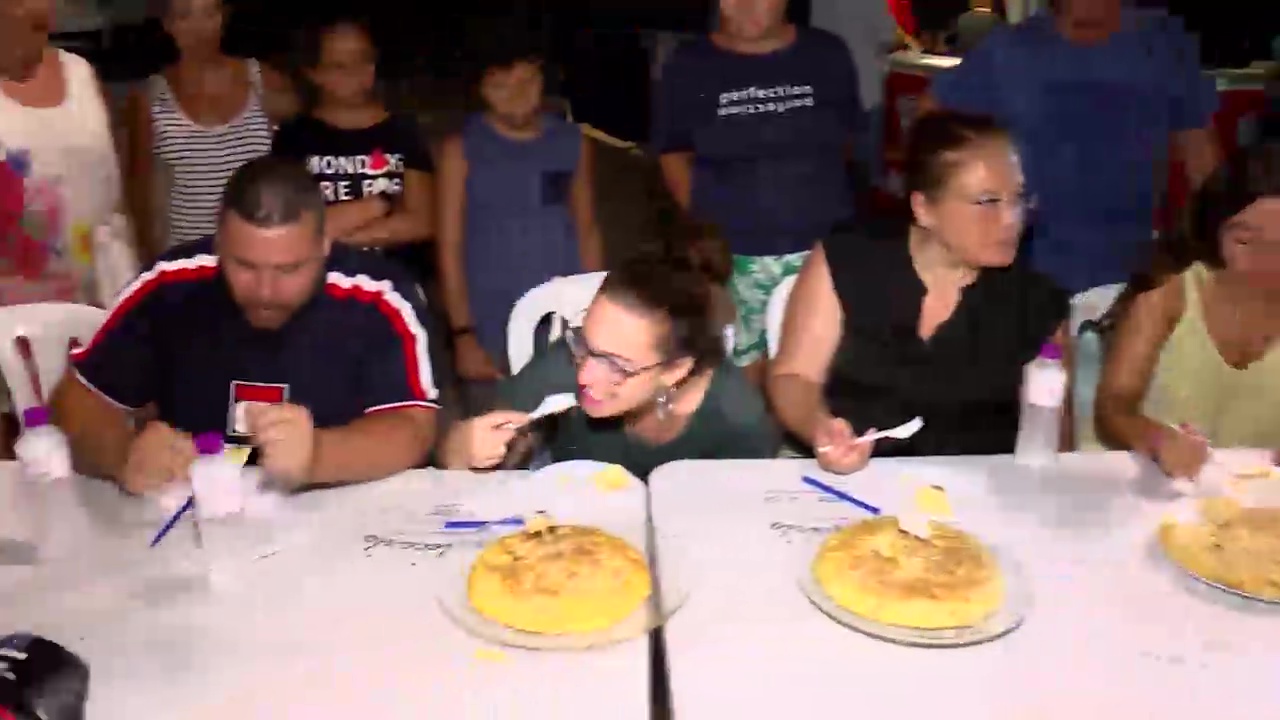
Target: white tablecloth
(343, 621)
(1113, 630)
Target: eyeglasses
(616, 370)
(1020, 203)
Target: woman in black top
(931, 319)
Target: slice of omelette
(238, 454)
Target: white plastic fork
(554, 405)
(902, 432)
(550, 405)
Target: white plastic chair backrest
(1090, 305)
(774, 313)
(115, 264)
(49, 328)
(565, 299)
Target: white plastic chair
(49, 328)
(774, 313)
(1090, 305)
(565, 299)
(1087, 307)
(115, 265)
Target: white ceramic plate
(568, 492)
(1220, 586)
(1003, 621)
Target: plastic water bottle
(1044, 389)
(215, 480)
(43, 497)
(42, 449)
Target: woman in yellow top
(1195, 360)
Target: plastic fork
(902, 432)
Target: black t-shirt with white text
(353, 164)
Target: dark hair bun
(670, 287)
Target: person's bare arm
(343, 219)
(582, 201)
(140, 185)
(373, 447)
(677, 173)
(121, 156)
(412, 221)
(1198, 149)
(449, 242)
(811, 332)
(98, 431)
(279, 97)
(1130, 363)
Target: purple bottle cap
(35, 416)
(1051, 351)
(209, 443)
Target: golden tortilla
(876, 571)
(559, 580)
(1237, 547)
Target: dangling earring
(663, 402)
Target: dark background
(413, 29)
(599, 62)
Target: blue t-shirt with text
(1093, 126)
(768, 134)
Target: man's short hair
(271, 192)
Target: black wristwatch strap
(463, 331)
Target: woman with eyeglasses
(649, 372)
(930, 319)
(1194, 360)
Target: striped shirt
(199, 159)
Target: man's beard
(275, 316)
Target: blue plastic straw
(481, 524)
(840, 494)
(173, 521)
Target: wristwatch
(462, 331)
